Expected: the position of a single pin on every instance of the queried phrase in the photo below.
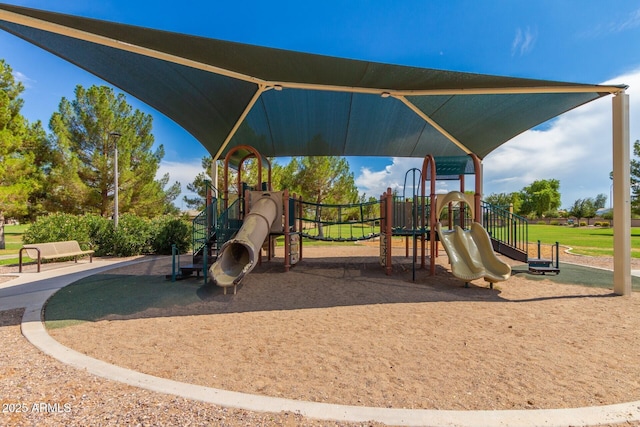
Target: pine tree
(86, 131)
(19, 145)
(321, 180)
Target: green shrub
(554, 222)
(132, 237)
(100, 234)
(583, 224)
(551, 214)
(542, 223)
(167, 231)
(57, 227)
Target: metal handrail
(204, 226)
(205, 223)
(506, 228)
(228, 223)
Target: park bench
(53, 250)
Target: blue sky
(585, 41)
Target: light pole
(115, 136)
(611, 196)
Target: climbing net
(340, 223)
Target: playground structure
(244, 221)
(469, 247)
(249, 224)
(368, 108)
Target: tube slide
(471, 254)
(238, 256)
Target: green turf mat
(97, 296)
(579, 275)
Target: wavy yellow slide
(471, 254)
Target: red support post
(477, 170)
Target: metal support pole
(174, 249)
(115, 136)
(115, 186)
(214, 178)
(287, 234)
(300, 224)
(388, 229)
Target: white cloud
(183, 172)
(627, 22)
(393, 176)
(631, 21)
(516, 41)
(26, 81)
(576, 149)
(523, 41)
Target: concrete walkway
(31, 290)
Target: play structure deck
(234, 230)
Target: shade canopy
(287, 103)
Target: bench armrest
(86, 243)
(20, 257)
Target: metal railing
(204, 226)
(228, 223)
(509, 232)
(408, 216)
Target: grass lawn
(345, 231)
(13, 242)
(593, 241)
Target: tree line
(541, 199)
